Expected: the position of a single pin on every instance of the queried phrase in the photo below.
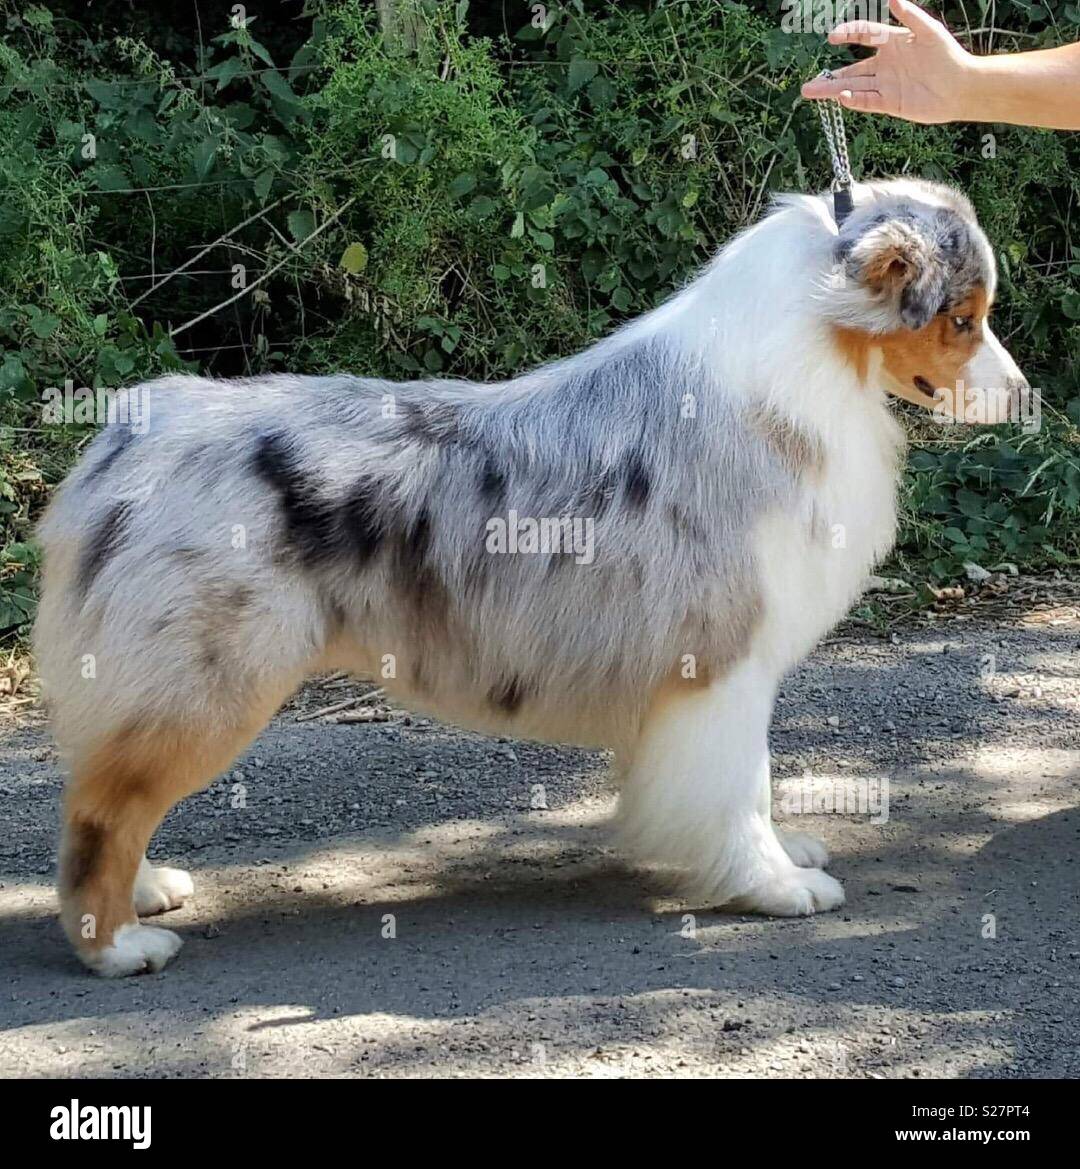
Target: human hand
(920, 71)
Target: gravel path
(385, 899)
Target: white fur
(135, 949)
(157, 890)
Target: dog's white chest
(815, 557)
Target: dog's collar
(843, 203)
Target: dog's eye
(963, 324)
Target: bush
(455, 196)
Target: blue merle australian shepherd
(726, 465)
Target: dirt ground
(384, 898)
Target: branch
(267, 274)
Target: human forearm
(1029, 89)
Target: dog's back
(536, 555)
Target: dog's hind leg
(121, 785)
(696, 796)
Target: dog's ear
(901, 270)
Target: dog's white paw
(159, 890)
(135, 949)
(795, 894)
(805, 851)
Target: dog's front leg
(696, 797)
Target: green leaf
(580, 73)
(264, 180)
(280, 89)
(970, 504)
(109, 178)
(44, 325)
(601, 92)
(481, 207)
(106, 94)
(301, 225)
(203, 159)
(1070, 305)
(462, 185)
(354, 259)
(226, 71)
(258, 49)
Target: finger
(866, 102)
(864, 68)
(914, 18)
(822, 87)
(866, 32)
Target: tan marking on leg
(118, 793)
(722, 639)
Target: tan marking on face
(939, 352)
(936, 354)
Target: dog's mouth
(919, 393)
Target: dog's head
(910, 294)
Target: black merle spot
(311, 522)
(238, 598)
(106, 540)
(434, 423)
(118, 439)
(410, 553)
(507, 696)
(637, 481)
(362, 523)
(686, 525)
(492, 482)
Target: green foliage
(467, 198)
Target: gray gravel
(525, 947)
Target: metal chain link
(832, 122)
